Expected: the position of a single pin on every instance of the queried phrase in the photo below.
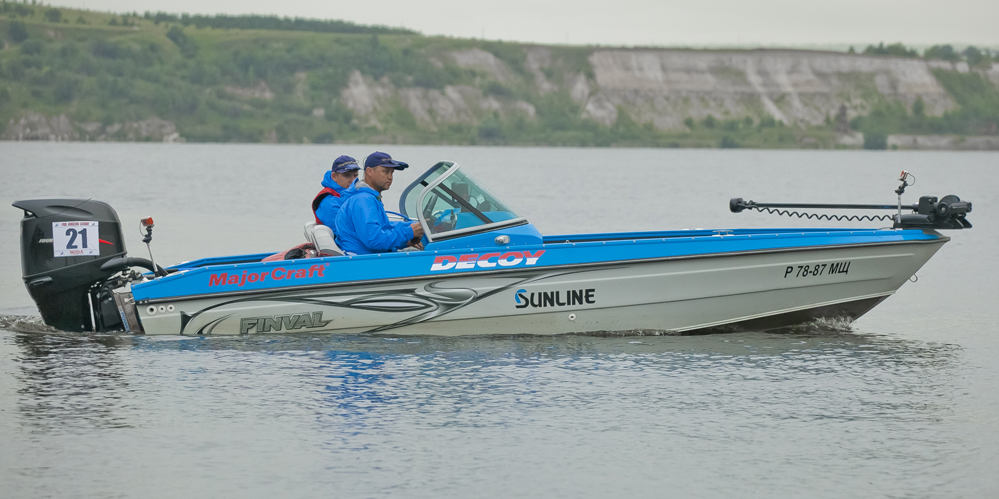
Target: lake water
(902, 403)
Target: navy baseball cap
(344, 164)
(383, 159)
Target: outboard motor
(64, 244)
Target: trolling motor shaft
(904, 178)
(931, 213)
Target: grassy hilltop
(86, 75)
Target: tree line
(974, 56)
(223, 21)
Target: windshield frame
(431, 237)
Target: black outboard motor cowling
(64, 242)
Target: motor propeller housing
(947, 213)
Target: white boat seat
(321, 237)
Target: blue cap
(383, 159)
(344, 164)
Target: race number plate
(75, 239)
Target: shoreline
(909, 143)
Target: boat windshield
(448, 201)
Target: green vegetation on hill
(974, 56)
(98, 72)
(895, 49)
(258, 78)
(222, 21)
(977, 98)
(977, 114)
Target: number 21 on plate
(75, 239)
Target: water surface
(902, 403)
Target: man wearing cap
(362, 226)
(336, 183)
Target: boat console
(450, 204)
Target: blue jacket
(362, 226)
(330, 205)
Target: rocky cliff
(665, 87)
(37, 126)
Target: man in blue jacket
(362, 226)
(336, 183)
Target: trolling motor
(930, 213)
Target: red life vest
(319, 199)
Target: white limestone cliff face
(365, 96)
(432, 107)
(538, 57)
(936, 142)
(261, 91)
(484, 61)
(37, 126)
(667, 86)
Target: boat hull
(679, 294)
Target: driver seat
(321, 237)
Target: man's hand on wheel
(417, 230)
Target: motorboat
(484, 269)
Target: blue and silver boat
(484, 270)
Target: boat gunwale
(691, 233)
(940, 239)
(624, 238)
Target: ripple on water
(820, 400)
(25, 324)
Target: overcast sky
(635, 22)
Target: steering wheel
(429, 207)
(443, 223)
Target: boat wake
(823, 325)
(826, 324)
(25, 324)
(841, 325)
(632, 332)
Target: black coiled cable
(823, 216)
